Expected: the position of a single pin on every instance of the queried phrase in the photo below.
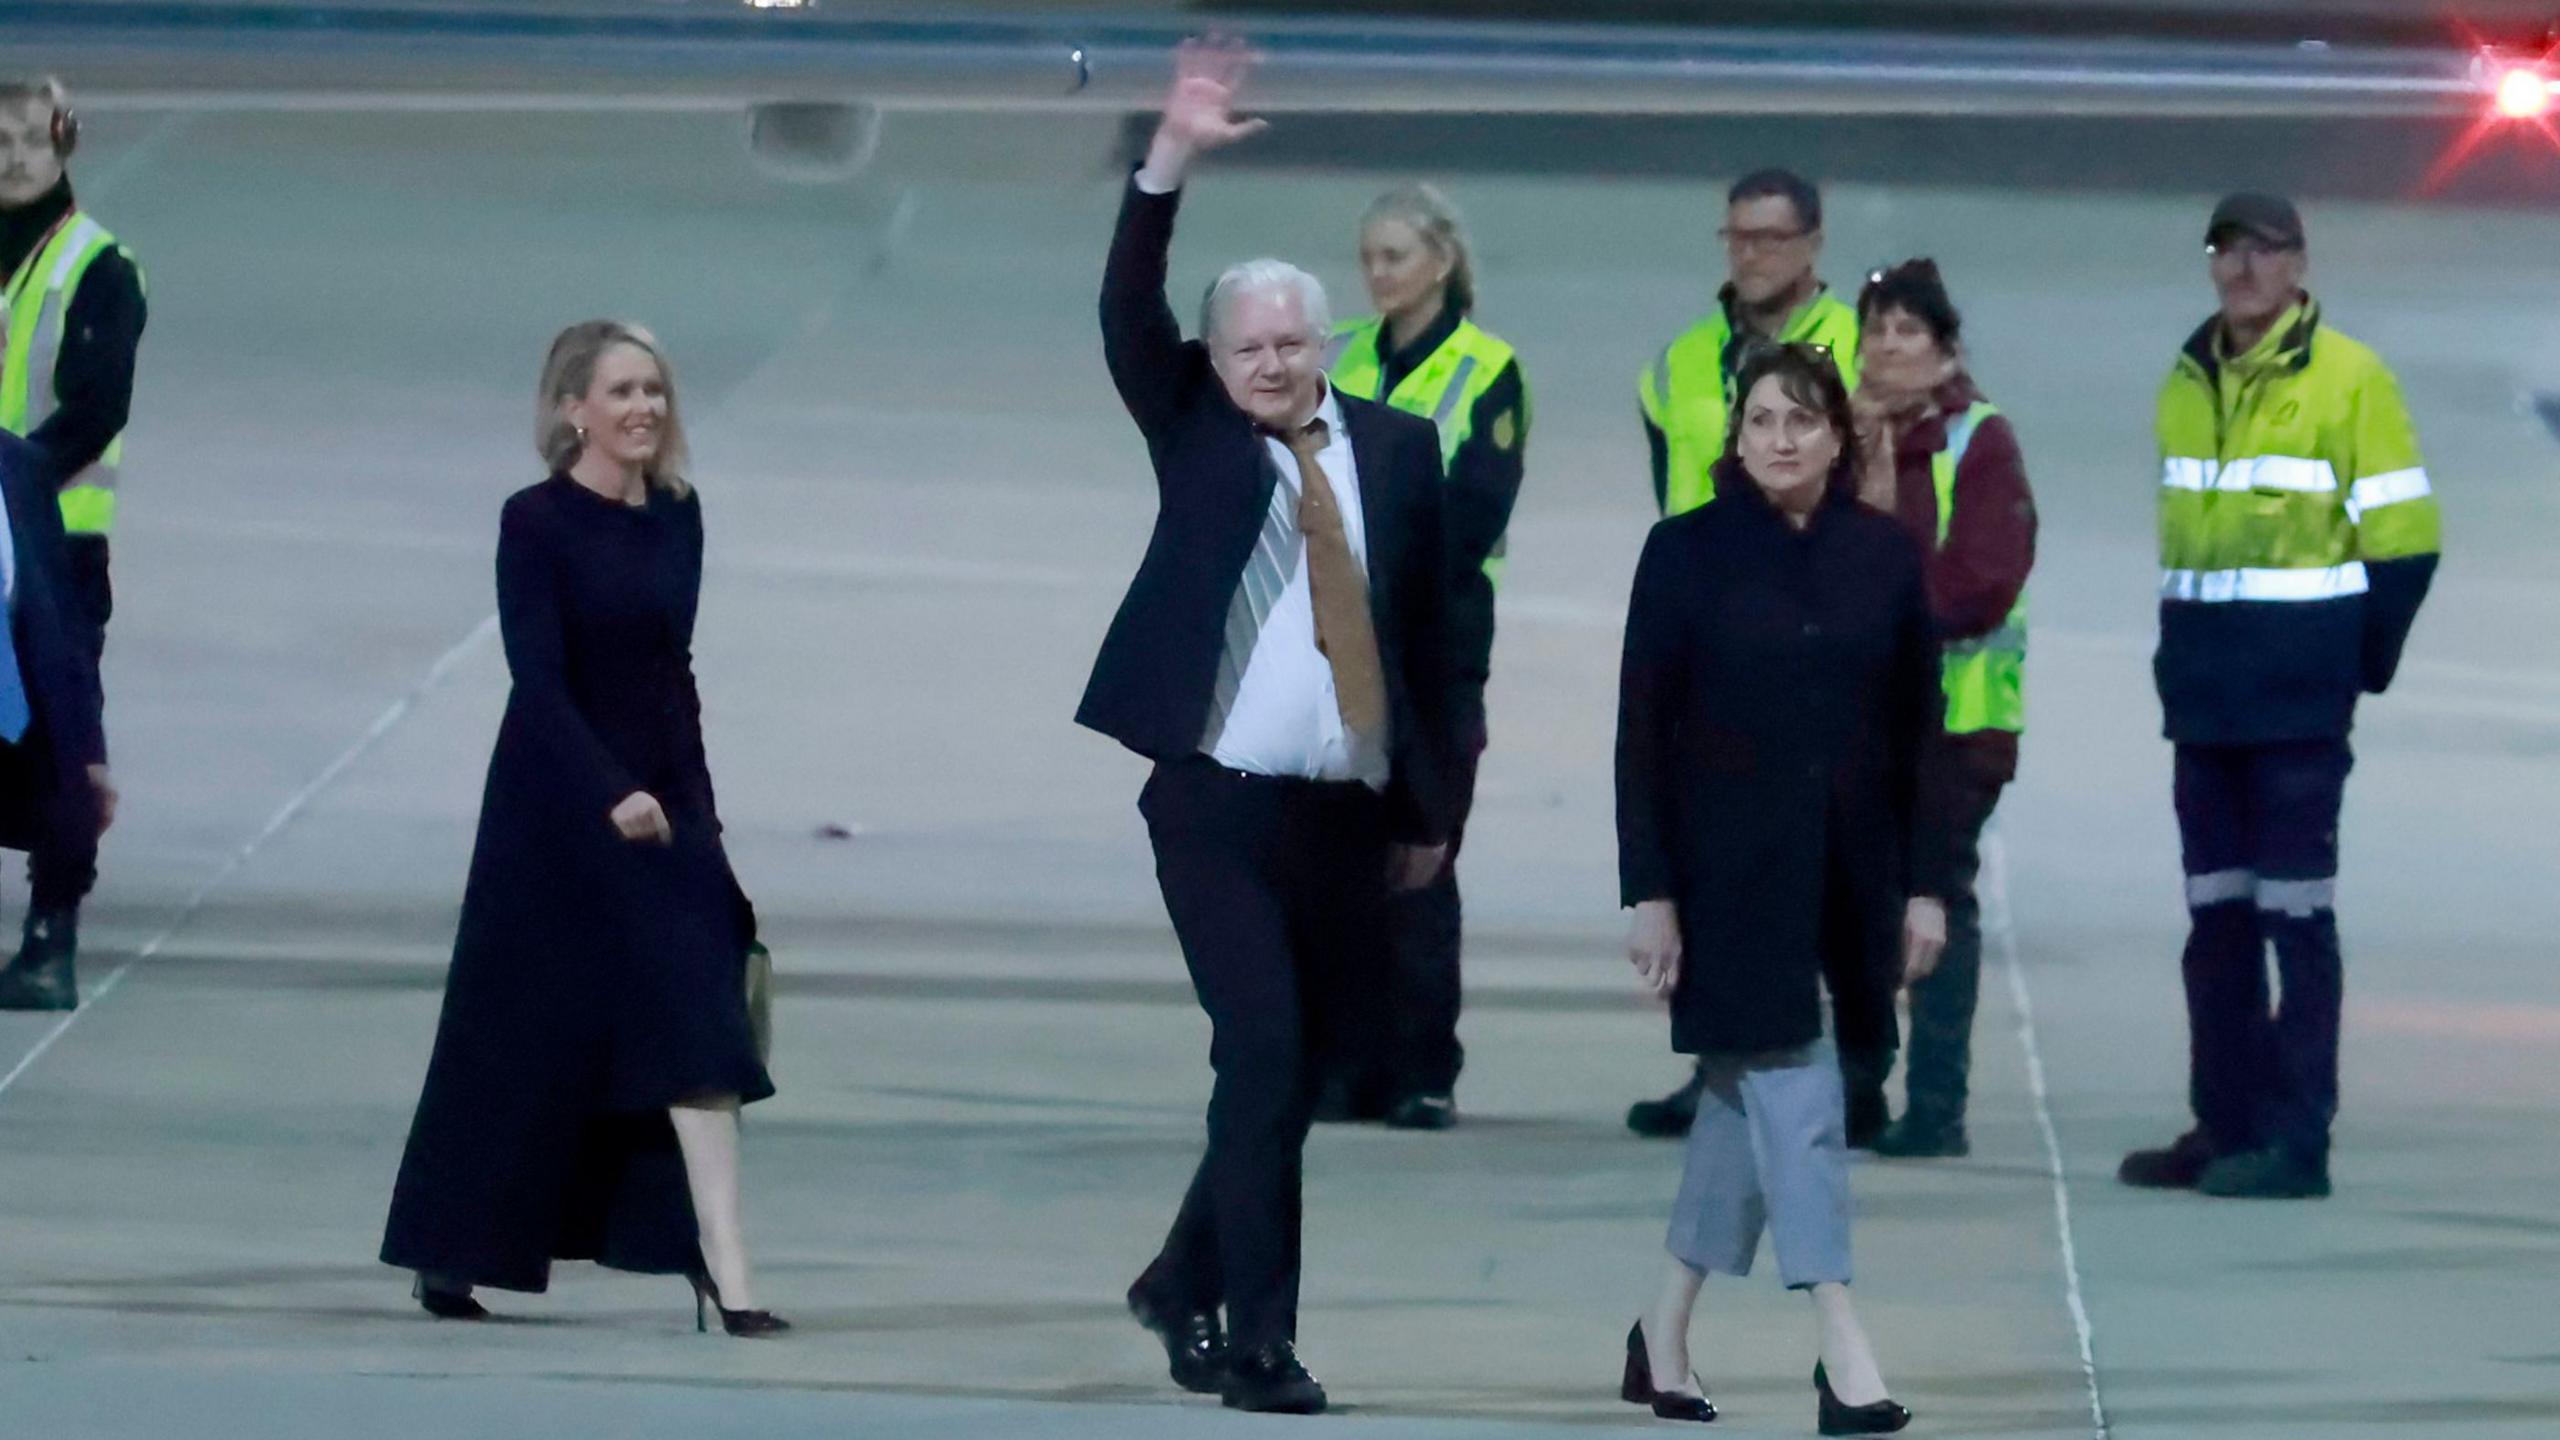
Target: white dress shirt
(8, 562)
(1286, 719)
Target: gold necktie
(1344, 632)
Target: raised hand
(1199, 111)
(1207, 77)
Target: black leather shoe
(1268, 1380)
(1913, 1138)
(1670, 1117)
(1636, 1386)
(2273, 1173)
(1838, 1418)
(2178, 1166)
(1195, 1344)
(44, 974)
(1423, 1112)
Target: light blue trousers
(1768, 1152)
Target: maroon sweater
(1975, 578)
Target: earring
(582, 433)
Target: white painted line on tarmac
(285, 815)
(2000, 929)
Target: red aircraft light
(2523, 92)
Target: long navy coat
(595, 981)
(1777, 692)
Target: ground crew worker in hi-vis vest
(1423, 353)
(1772, 241)
(1940, 457)
(2298, 536)
(75, 311)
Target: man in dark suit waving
(1280, 657)
(55, 797)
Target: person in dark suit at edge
(55, 795)
(1280, 656)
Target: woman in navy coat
(1778, 699)
(582, 1101)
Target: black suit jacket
(60, 676)
(1153, 682)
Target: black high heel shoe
(1637, 1386)
(447, 1304)
(744, 1324)
(1882, 1418)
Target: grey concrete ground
(921, 499)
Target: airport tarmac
(921, 500)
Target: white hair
(44, 90)
(1261, 276)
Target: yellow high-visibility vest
(1986, 676)
(1444, 387)
(38, 308)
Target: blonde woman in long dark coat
(582, 1102)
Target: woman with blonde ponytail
(1424, 353)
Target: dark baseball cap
(2270, 218)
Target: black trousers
(1942, 1007)
(58, 828)
(1275, 888)
(2259, 828)
(60, 832)
(1422, 1055)
(93, 595)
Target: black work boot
(2273, 1172)
(42, 976)
(1924, 1135)
(2180, 1165)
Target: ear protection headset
(66, 121)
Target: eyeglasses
(1758, 242)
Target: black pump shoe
(1836, 1418)
(1195, 1344)
(742, 1324)
(447, 1304)
(1637, 1388)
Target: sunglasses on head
(1760, 349)
(1919, 267)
